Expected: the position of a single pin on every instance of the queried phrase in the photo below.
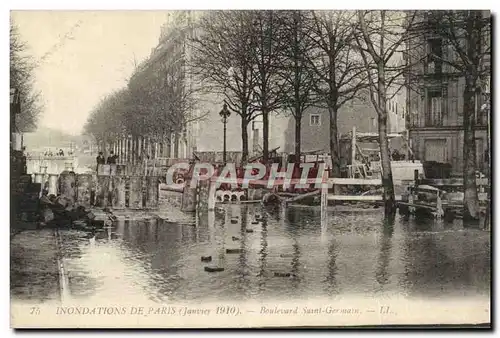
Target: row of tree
(268, 61)
(156, 102)
(22, 66)
(264, 62)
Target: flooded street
(287, 255)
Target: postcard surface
(263, 168)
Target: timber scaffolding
(415, 195)
(113, 186)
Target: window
(436, 150)
(435, 62)
(434, 116)
(315, 120)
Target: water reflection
(385, 254)
(287, 253)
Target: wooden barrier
(102, 193)
(67, 185)
(84, 189)
(152, 192)
(135, 192)
(53, 184)
(118, 195)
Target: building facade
(435, 100)
(315, 124)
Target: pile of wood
(310, 198)
(62, 212)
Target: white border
(152, 5)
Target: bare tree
(381, 45)
(222, 60)
(21, 77)
(295, 72)
(105, 120)
(468, 35)
(267, 32)
(337, 67)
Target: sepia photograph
(250, 168)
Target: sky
(84, 55)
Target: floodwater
(287, 255)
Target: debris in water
(213, 269)
(234, 251)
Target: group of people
(59, 153)
(112, 158)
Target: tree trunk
(334, 142)
(471, 203)
(388, 184)
(176, 145)
(265, 134)
(385, 159)
(298, 128)
(244, 140)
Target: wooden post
(122, 160)
(67, 185)
(83, 189)
(416, 177)
(135, 192)
(132, 149)
(140, 148)
(53, 184)
(102, 191)
(212, 195)
(353, 146)
(189, 193)
(439, 206)
(324, 198)
(152, 191)
(118, 196)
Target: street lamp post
(224, 113)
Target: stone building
(435, 100)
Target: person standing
(100, 160)
(111, 158)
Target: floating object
(97, 223)
(248, 230)
(213, 269)
(234, 251)
(234, 221)
(235, 238)
(255, 222)
(206, 258)
(286, 255)
(283, 274)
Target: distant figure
(111, 158)
(100, 159)
(61, 152)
